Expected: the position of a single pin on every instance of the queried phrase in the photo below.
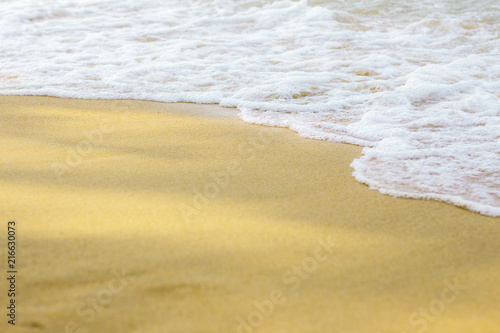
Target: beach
(137, 216)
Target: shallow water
(415, 82)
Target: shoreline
(179, 217)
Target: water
(417, 83)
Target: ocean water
(417, 83)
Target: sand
(136, 216)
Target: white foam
(417, 84)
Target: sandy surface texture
(137, 216)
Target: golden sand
(136, 216)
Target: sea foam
(416, 83)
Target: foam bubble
(416, 83)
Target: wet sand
(136, 216)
